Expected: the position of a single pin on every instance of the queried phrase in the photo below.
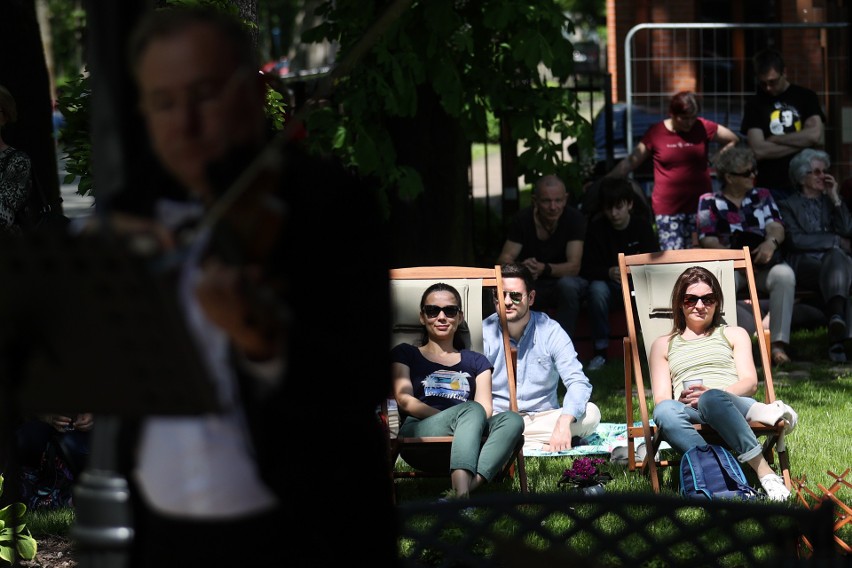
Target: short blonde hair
(7, 103)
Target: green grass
(819, 391)
(49, 522)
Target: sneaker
(837, 353)
(774, 487)
(837, 327)
(596, 363)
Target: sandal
(779, 356)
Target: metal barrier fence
(713, 59)
(613, 530)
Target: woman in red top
(679, 146)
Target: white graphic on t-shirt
(447, 384)
(784, 119)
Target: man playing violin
(225, 480)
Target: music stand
(89, 327)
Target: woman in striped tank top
(701, 346)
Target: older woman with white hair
(819, 229)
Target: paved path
(73, 205)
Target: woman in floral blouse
(14, 170)
(740, 214)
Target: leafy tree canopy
(479, 57)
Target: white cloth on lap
(770, 414)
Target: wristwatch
(548, 270)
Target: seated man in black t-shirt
(547, 238)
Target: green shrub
(15, 538)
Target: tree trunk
(23, 71)
(434, 228)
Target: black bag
(38, 214)
(740, 239)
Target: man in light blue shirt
(545, 354)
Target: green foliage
(223, 5)
(15, 539)
(75, 140)
(67, 22)
(481, 58)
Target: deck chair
(646, 282)
(407, 286)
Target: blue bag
(712, 472)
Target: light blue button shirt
(545, 353)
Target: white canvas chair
(646, 282)
(407, 286)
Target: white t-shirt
(201, 466)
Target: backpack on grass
(712, 472)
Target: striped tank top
(709, 358)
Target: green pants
(467, 424)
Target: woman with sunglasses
(443, 389)
(819, 229)
(701, 347)
(740, 214)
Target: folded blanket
(607, 435)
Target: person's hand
(84, 422)
(615, 274)
(690, 396)
(831, 188)
(763, 252)
(534, 266)
(238, 302)
(58, 422)
(560, 439)
(144, 236)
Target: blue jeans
(598, 294)
(600, 298)
(723, 411)
(564, 295)
(467, 423)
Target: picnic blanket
(607, 435)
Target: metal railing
(710, 59)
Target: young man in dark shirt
(614, 230)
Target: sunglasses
(745, 174)
(516, 297)
(432, 311)
(689, 300)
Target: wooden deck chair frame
(646, 283)
(467, 280)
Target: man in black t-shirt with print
(779, 120)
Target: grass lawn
(819, 391)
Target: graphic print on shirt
(784, 119)
(453, 385)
